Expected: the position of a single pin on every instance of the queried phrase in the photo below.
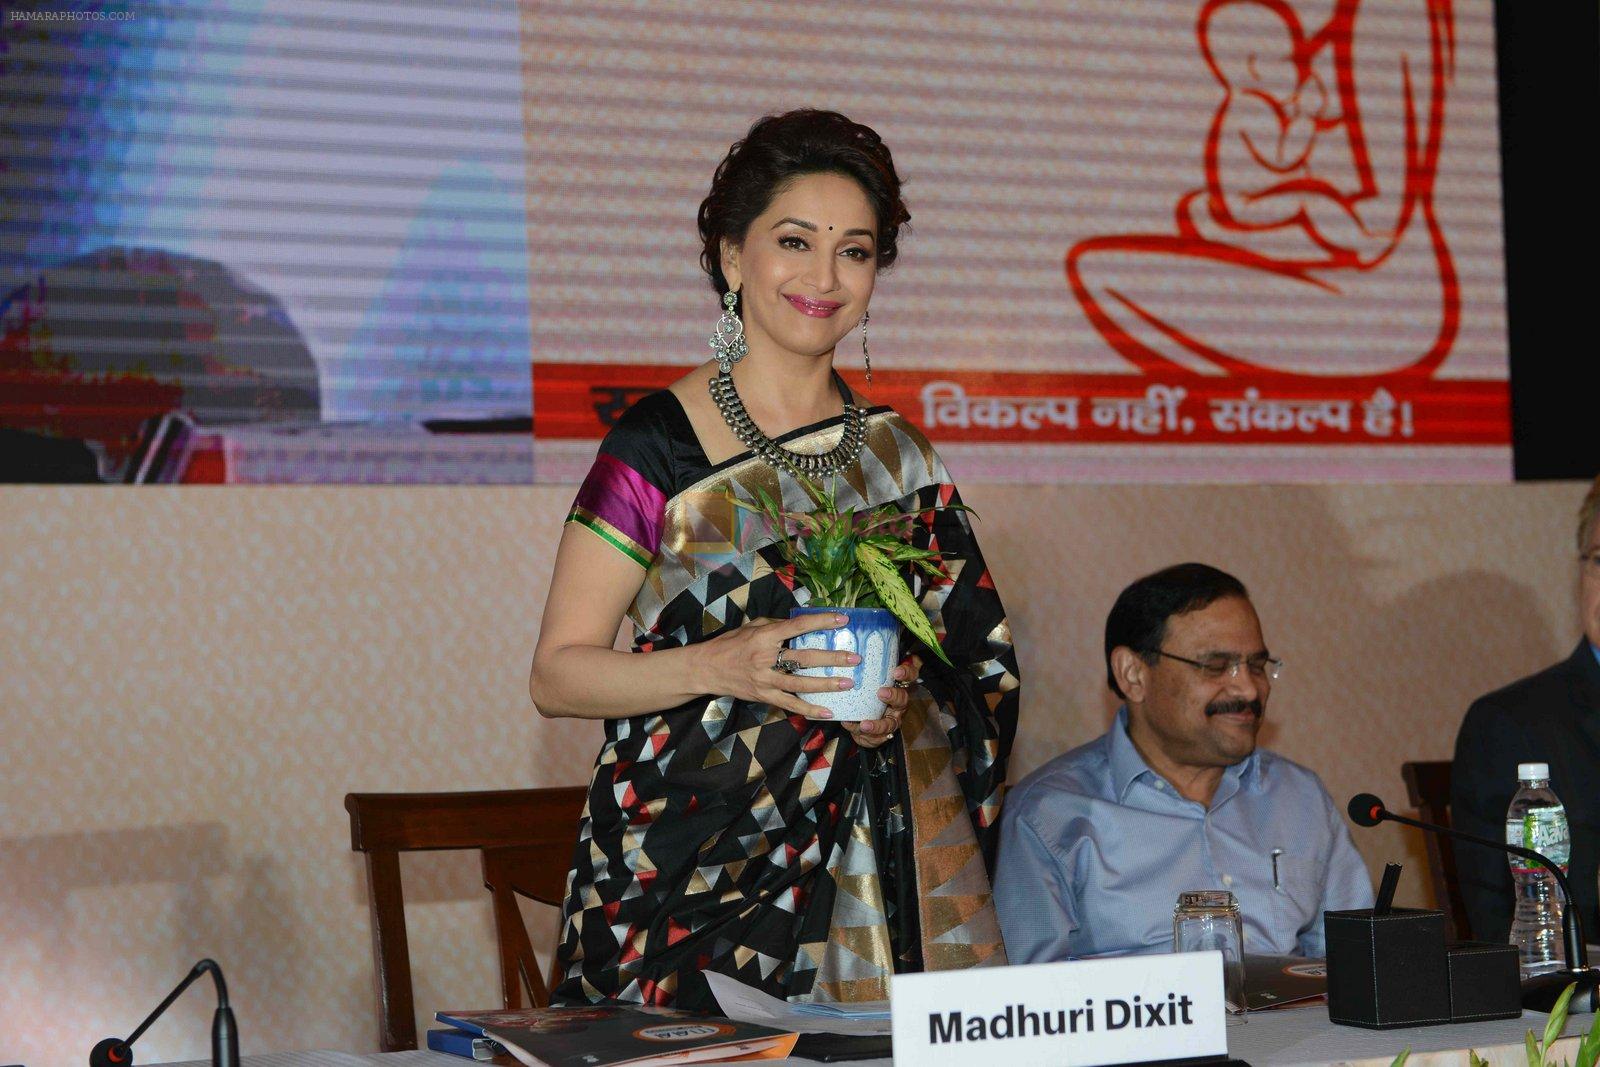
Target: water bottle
(1537, 820)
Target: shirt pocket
(1297, 890)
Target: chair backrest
(526, 837)
(1428, 789)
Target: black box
(1387, 970)
(1485, 982)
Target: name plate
(1127, 1010)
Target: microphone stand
(118, 1052)
(1540, 992)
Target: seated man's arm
(1345, 887)
(1482, 781)
(1031, 894)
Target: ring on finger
(903, 684)
(783, 664)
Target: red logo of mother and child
(1312, 248)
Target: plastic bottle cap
(1533, 770)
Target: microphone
(118, 1051)
(1540, 992)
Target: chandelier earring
(865, 354)
(727, 340)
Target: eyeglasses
(1223, 665)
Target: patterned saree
(731, 836)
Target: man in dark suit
(1552, 717)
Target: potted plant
(850, 562)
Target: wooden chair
(1428, 789)
(526, 837)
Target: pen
(1275, 854)
(1391, 879)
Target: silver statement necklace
(836, 459)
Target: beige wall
(190, 680)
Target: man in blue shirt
(1552, 717)
(1096, 845)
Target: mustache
(1230, 707)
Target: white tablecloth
(1287, 1037)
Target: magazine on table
(621, 1035)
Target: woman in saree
(731, 826)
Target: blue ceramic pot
(871, 633)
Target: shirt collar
(1127, 765)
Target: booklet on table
(1277, 981)
(618, 1035)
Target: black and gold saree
(731, 836)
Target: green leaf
(1589, 1047)
(772, 507)
(1535, 1056)
(1558, 1018)
(804, 522)
(757, 508)
(879, 519)
(884, 543)
(896, 596)
(1400, 1060)
(822, 498)
(1475, 1060)
(832, 551)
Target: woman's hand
(742, 663)
(874, 732)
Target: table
(1285, 1037)
(1292, 1037)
